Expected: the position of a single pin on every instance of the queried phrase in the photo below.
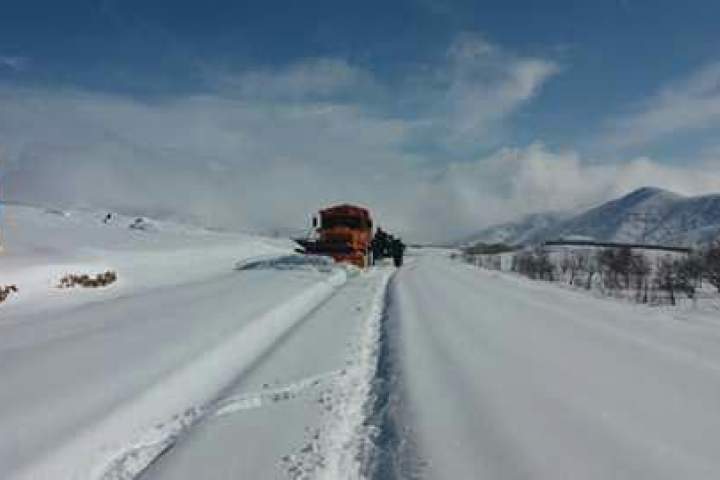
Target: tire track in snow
(254, 400)
(123, 444)
(333, 447)
(339, 449)
(127, 467)
(390, 452)
(136, 461)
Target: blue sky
(441, 108)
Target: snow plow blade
(315, 247)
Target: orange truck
(343, 232)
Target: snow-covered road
(81, 386)
(299, 413)
(214, 355)
(191, 368)
(500, 378)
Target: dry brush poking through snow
(88, 281)
(6, 291)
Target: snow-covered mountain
(646, 215)
(523, 231)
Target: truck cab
(342, 232)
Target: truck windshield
(350, 222)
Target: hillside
(41, 245)
(523, 231)
(646, 215)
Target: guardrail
(590, 243)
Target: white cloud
(316, 78)
(462, 101)
(229, 161)
(483, 85)
(270, 146)
(695, 179)
(693, 103)
(13, 62)
(517, 181)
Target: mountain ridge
(645, 215)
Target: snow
(526, 230)
(647, 215)
(300, 413)
(503, 378)
(41, 246)
(174, 401)
(92, 377)
(220, 355)
(287, 262)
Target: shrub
(88, 281)
(6, 291)
(712, 265)
(489, 249)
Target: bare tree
(576, 263)
(665, 278)
(622, 265)
(712, 265)
(566, 265)
(534, 264)
(605, 259)
(640, 270)
(614, 265)
(524, 264)
(689, 272)
(544, 267)
(592, 267)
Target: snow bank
(348, 432)
(287, 262)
